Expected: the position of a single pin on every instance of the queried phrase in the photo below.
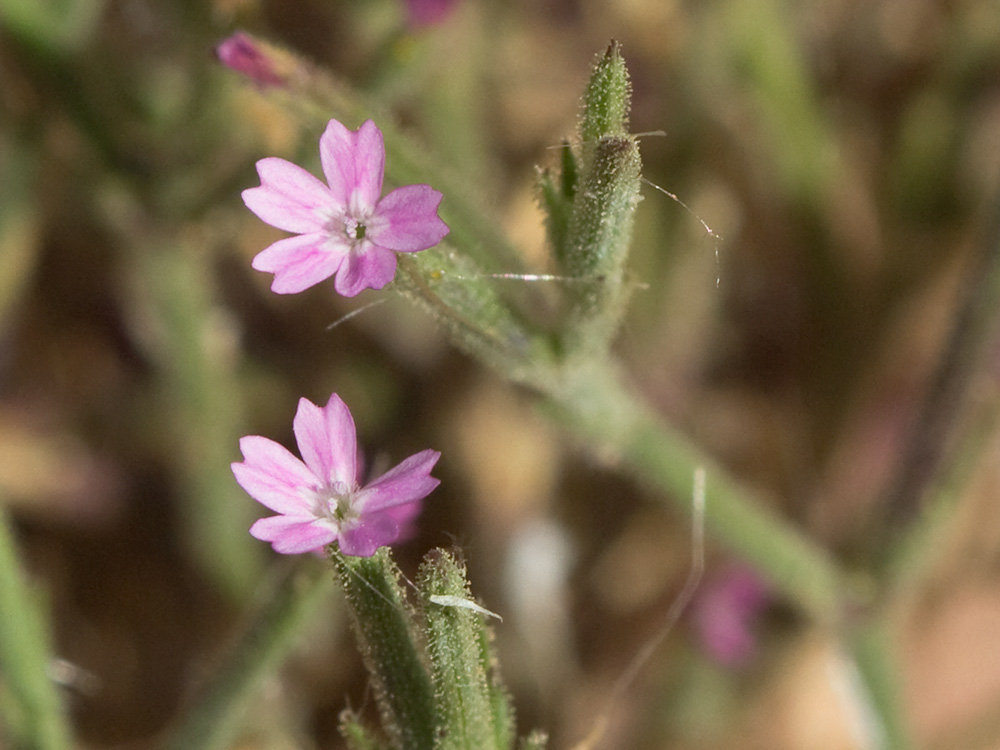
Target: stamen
(354, 229)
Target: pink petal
(289, 197)
(328, 441)
(406, 220)
(291, 535)
(367, 534)
(405, 483)
(404, 513)
(353, 163)
(428, 12)
(300, 262)
(272, 476)
(405, 516)
(370, 267)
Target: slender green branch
(39, 723)
(218, 710)
(599, 409)
(884, 722)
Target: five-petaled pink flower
(343, 227)
(319, 499)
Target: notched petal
(293, 535)
(406, 219)
(300, 262)
(407, 482)
(366, 535)
(369, 168)
(289, 197)
(327, 440)
(371, 268)
(272, 476)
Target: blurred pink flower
(344, 227)
(725, 613)
(319, 499)
(428, 12)
(241, 53)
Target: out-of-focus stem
(218, 710)
(597, 408)
(882, 718)
(975, 324)
(39, 723)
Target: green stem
(218, 710)
(597, 407)
(879, 672)
(176, 297)
(38, 721)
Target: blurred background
(845, 155)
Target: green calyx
(432, 665)
(608, 96)
(590, 204)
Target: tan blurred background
(845, 155)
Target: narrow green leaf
(40, 722)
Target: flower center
(334, 503)
(354, 229)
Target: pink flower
(319, 499)
(344, 227)
(429, 12)
(725, 614)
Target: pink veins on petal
(318, 499)
(344, 227)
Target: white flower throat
(354, 229)
(335, 502)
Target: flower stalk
(286, 604)
(590, 207)
(595, 406)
